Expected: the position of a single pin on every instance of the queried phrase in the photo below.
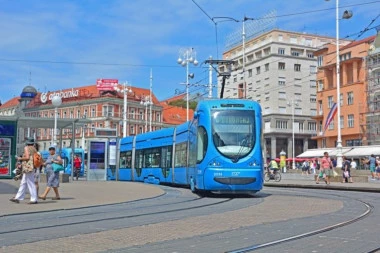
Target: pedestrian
(37, 171)
(313, 166)
(378, 167)
(346, 170)
(353, 164)
(52, 177)
(372, 165)
(305, 167)
(327, 167)
(27, 174)
(77, 166)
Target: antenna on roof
(30, 77)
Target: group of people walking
(31, 174)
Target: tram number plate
(235, 173)
(218, 174)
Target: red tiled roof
(175, 115)
(13, 102)
(355, 43)
(178, 97)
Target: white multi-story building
(279, 73)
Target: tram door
(97, 160)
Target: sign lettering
(63, 94)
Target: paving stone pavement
(76, 194)
(188, 227)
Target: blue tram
(219, 150)
(66, 157)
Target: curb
(325, 187)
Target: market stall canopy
(344, 151)
(311, 153)
(363, 151)
(359, 151)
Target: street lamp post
(346, 15)
(56, 101)
(150, 99)
(83, 136)
(187, 56)
(292, 104)
(125, 90)
(146, 102)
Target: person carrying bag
(28, 174)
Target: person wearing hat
(51, 176)
(372, 166)
(28, 174)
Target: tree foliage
(182, 103)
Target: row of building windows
(108, 111)
(342, 57)
(330, 100)
(296, 52)
(350, 122)
(283, 124)
(281, 66)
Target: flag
(330, 116)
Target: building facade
(353, 93)
(279, 73)
(101, 109)
(371, 126)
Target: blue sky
(123, 39)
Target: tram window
(166, 160)
(125, 159)
(180, 155)
(152, 158)
(202, 143)
(139, 159)
(139, 162)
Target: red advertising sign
(106, 84)
(4, 171)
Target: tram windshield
(233, 132)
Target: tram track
(58, 220)
(368, 210)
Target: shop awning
(344, 151)
(363, 151)
(311, 153)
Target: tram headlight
(253, 163)
(214, 163)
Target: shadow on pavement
(7, 188)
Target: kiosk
(97, 159)
(8, 134)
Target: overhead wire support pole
(210, 79)
(150, 101)
(243, 69)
